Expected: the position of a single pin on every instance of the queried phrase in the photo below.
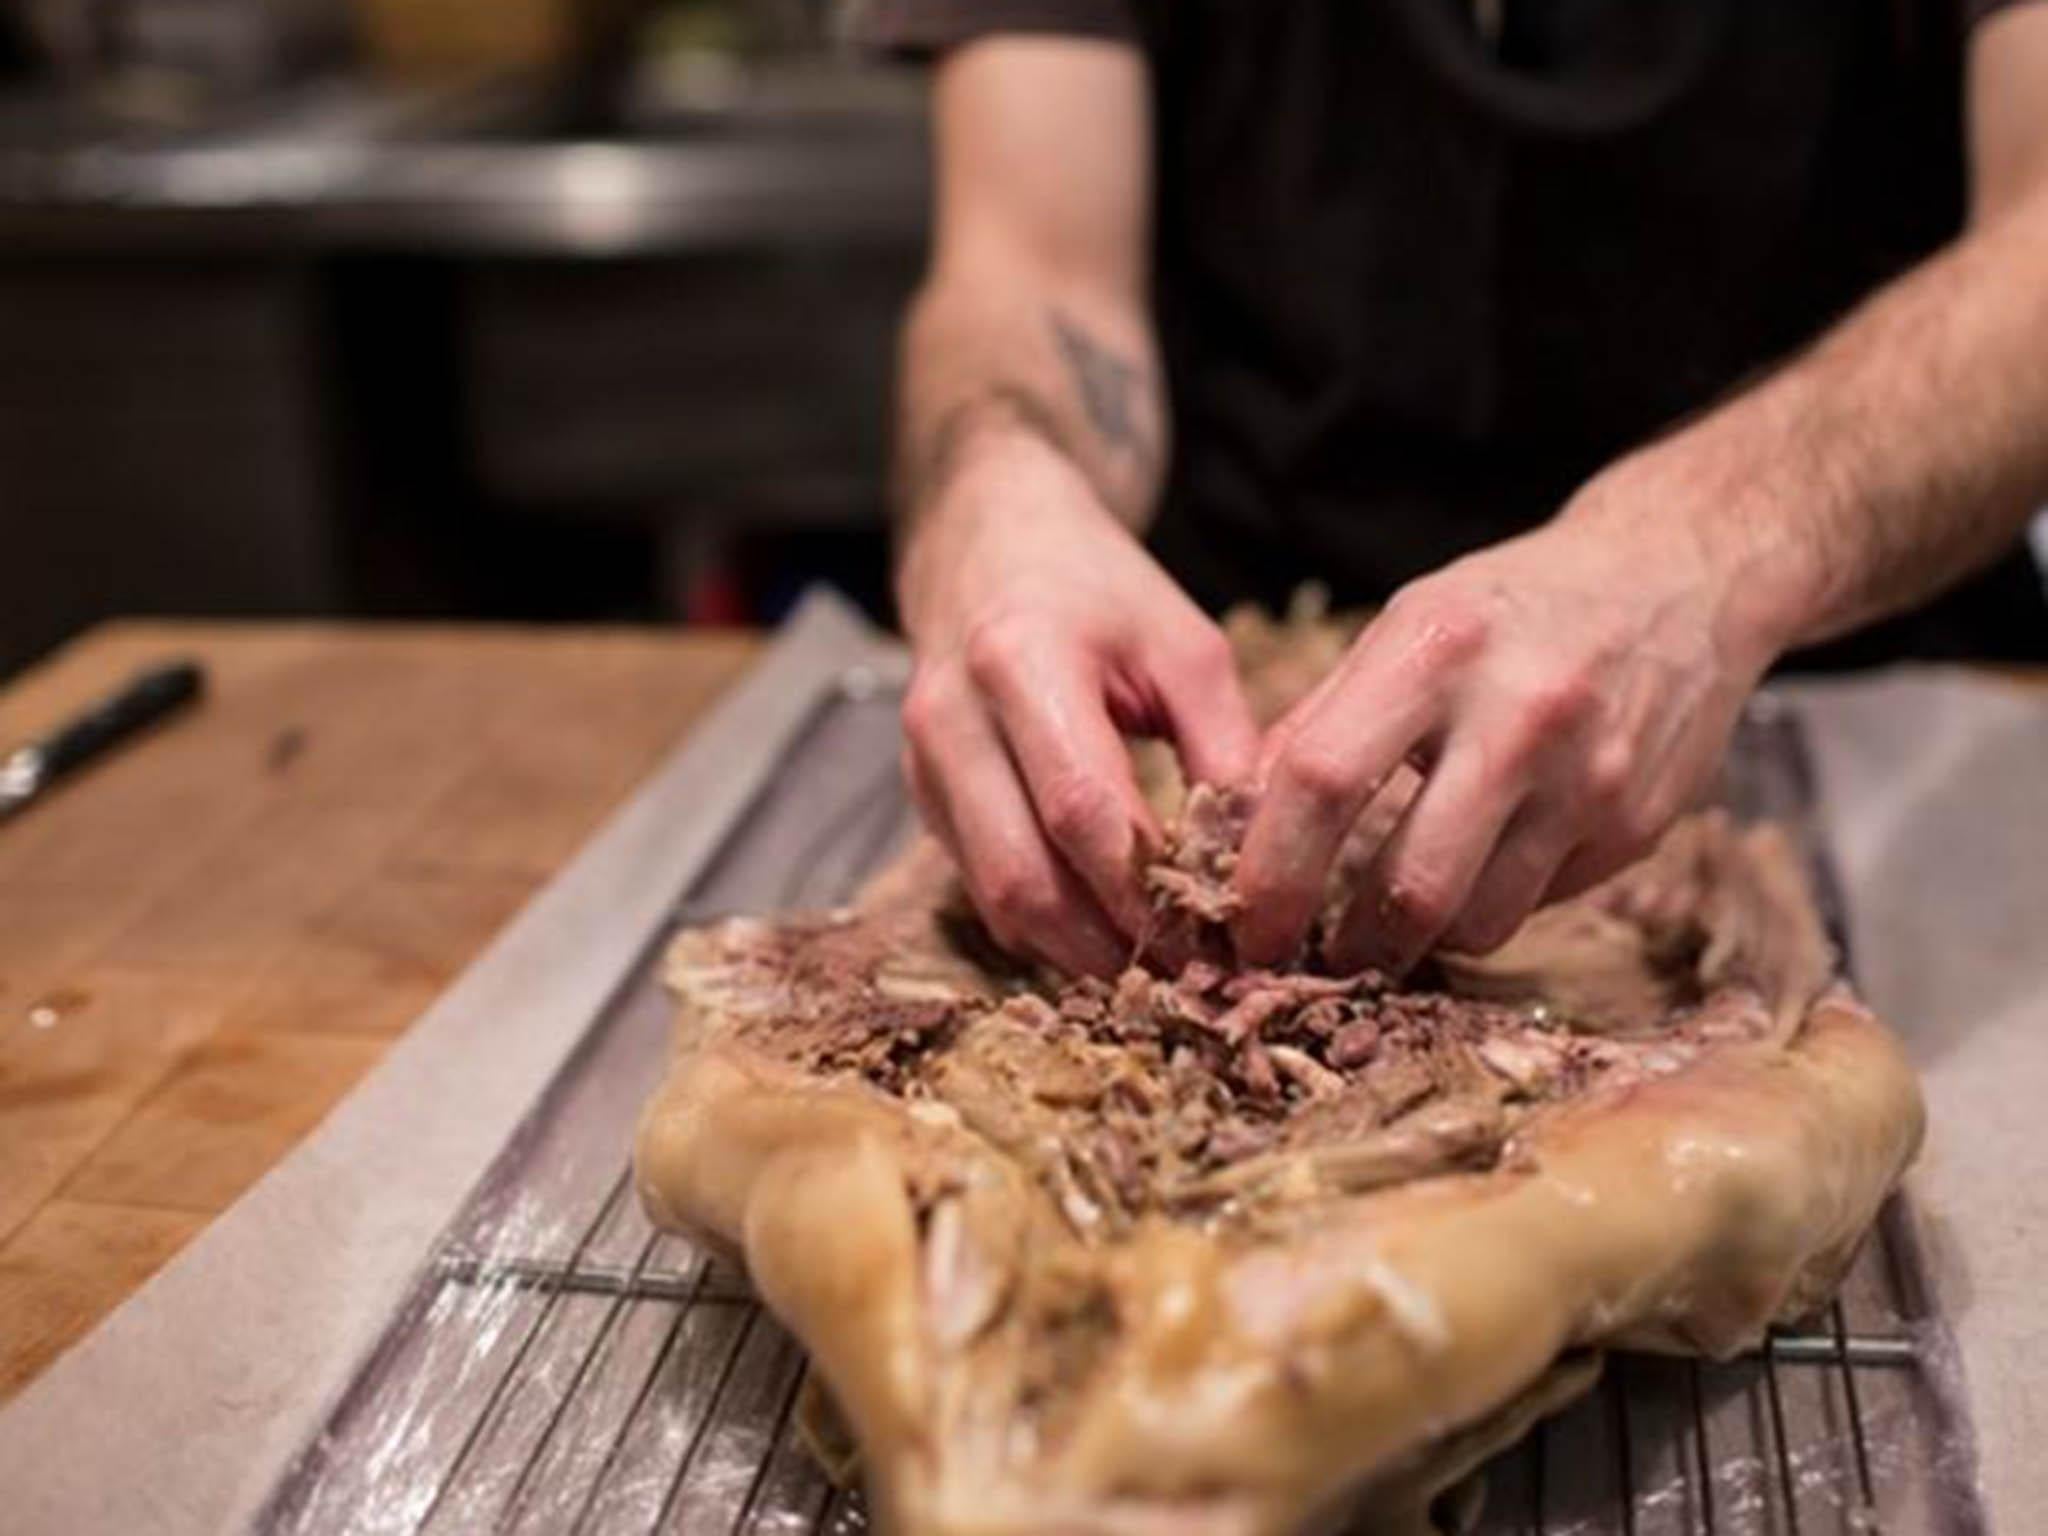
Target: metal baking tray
(560, 1367)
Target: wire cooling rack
(562, 1367)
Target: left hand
(1566, 694)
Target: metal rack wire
(563, 1367)
(1831, 1346)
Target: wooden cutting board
(206, 939)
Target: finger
(931, 806)
(1516, 876)
(1030, 903)
(1078, 774)
(1375, 825)
(1283, 729)
(1419, 882)
(1202, 697)
(1588, 865)
(1319, 777)
(1627, 827)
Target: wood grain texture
(235, 1105)
(72, 1263)
(212, 935)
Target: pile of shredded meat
(1216, 1090)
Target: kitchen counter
(211, 935)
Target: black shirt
(1420, 274)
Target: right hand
(1044, 633)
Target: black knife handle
(146, 699)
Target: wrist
(958, 545)
(945, 514)
(1705, 512)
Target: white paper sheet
(1936, 792)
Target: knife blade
(146, 698)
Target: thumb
(1207, 714)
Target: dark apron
(1416, 285)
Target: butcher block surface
(210, 936)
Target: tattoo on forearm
(1105, 419)
(1112, 388)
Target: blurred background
(521, 309)
(495, 309)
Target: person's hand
(1043, 633)
(1566, 694)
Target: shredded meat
(1196, 1089)
(1192, 898)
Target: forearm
(1901, 451)
(999, 364)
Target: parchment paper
(1935, 786)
